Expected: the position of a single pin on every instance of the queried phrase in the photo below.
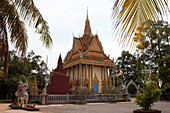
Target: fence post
(126, 96)
(67, 98)
(113, 99)
(100, 97)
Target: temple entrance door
(96, 88)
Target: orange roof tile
(79, 44)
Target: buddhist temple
(59, 83)
(86, 63)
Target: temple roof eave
(89, 62)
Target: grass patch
(5, 101)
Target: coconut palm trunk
(4, 48)
(6, 59)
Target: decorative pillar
(77, 73)
(110, 80)
(101, 88)
(92, 77)
(73, 82)
(80, 74)
(104, 79)
(85, 75)
(114, 79)
(67, 72)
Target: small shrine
(59, 83)
(86, 63)
(34, 90)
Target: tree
(127, 62)
(129, 16)
(154, 52)
(13, 14)
(26, 69)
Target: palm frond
(129, 16)
(30, 13)
(16, 28)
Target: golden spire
(87, 18)
(87, 30)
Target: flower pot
(146, 111)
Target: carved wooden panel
(75, 47)
(95, 54)
(94, 45)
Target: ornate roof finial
(87, 18)
(87, 30)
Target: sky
(66, 18)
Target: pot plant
(146, 97)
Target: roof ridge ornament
(87, 29)
(87, 18)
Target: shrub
(148, 95)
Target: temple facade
(86, 63)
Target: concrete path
(122, 107)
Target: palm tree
(129, 16)
(13, 14)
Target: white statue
(22, 92)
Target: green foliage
(154, 53)
(148, 95)
(5, 101)
(166, 86)
(118, 90)
(82, 91)
(128, 63)
(25, 69)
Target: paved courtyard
(122, 107)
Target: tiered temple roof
(87, 49)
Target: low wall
(63, 99)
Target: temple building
(86, 63)
(59, 83)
